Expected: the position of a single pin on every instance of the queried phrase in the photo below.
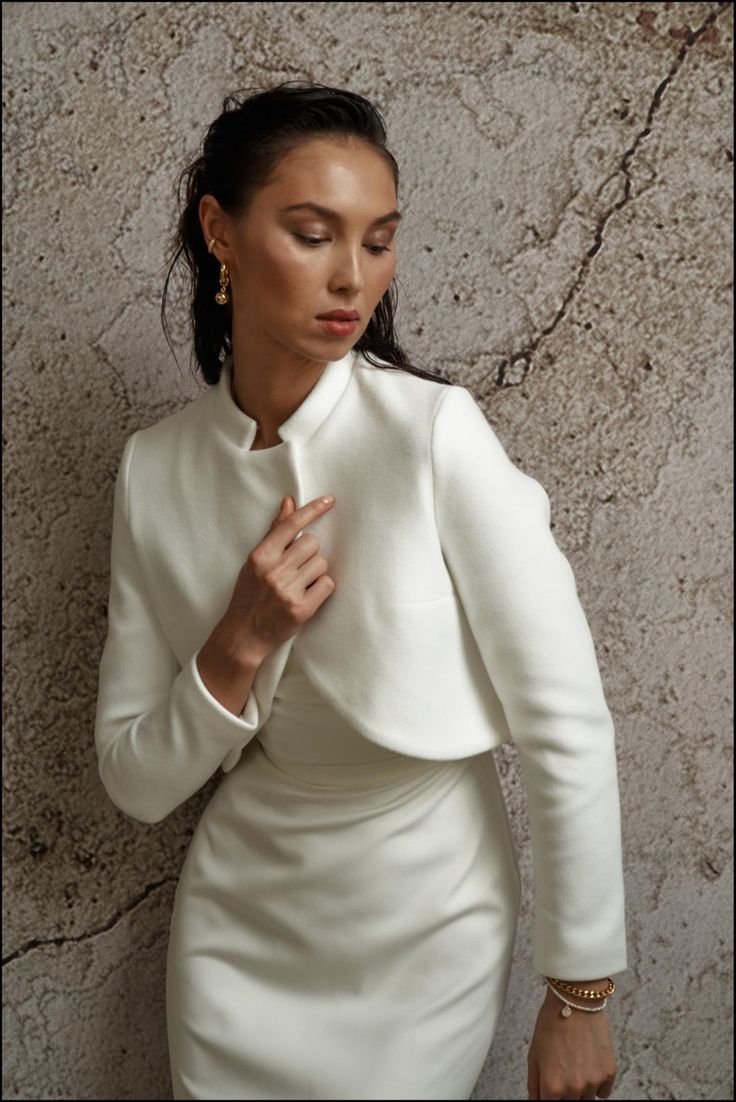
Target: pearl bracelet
(566, 1011)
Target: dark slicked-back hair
(240, 154)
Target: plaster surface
(566, 254)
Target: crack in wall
(518, 365)
(40, 943)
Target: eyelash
(318, 241)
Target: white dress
(345, 918)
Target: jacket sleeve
(520, 598)
(159, 733)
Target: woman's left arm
(519, 594)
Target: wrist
(227, 672)
(230, 650)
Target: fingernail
(328, 498)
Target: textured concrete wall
(567, 182)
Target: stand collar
(241, 429)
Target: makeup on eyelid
(313, 241)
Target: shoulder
(459, 413)
(399, 396)
(447, 405)
(425, 417)
(469, 458)
(163, 438)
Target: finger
(313, 508)
(301, 551)
(604, 1091)
(308, 571)
(287, 528)
(317, 593)
(286, 506)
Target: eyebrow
(327, 213)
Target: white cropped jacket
(455, 625)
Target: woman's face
(280, 282)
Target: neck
(269, 388)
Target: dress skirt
(344, 922)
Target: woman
(345, 918)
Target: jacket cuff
(204, 703)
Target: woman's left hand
(570, 1057)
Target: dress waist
(359, 774)
(307, 739)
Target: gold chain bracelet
(584, 992)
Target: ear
(210, 218)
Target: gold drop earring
(221, 298)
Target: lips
(339, 315)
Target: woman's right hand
(280, 585)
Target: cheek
(278, 259)
(296, 268)
(270, 259)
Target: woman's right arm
(161, 731)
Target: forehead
(347, 178)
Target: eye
(374, 249)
